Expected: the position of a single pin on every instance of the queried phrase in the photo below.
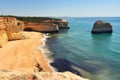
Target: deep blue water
(94, 56)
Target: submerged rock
(101, 27)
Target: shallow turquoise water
(95, 56)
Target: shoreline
(45, 52)
(18, 61)
(24, 55)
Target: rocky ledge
(101, 27)
(43, 24)
(39, 76)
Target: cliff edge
(10, 29)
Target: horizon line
(56, 16)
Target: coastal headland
(20, 57)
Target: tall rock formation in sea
(102, 27)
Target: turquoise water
(94, 56)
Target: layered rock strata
(3, 38)
(41, 27)
(47, 26)
(10, 29)
(62, 24)
(101, 27)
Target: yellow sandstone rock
(10, 29)
(3, 38)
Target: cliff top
(32, 19)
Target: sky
(61, 8)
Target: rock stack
(101, 27)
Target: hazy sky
(77, 8)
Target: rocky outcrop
(39, 76)
(41, 27)
(47, 26)
(10, 29)
(62, 24)
(101, 27)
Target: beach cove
(22, 53)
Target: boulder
(101, 27)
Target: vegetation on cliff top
(31, 19)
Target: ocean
(93, 56)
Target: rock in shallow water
(101, 27)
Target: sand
(24, 55)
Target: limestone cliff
(3, 38)
(41, 27)
(47, 26)
(62, 24)
(10, 29)
(13, 27)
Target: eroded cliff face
(47, 26)
(10, 29)
(3, 38)
(62, 24)
(41, 27)
(13, 28)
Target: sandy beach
(24, 55)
